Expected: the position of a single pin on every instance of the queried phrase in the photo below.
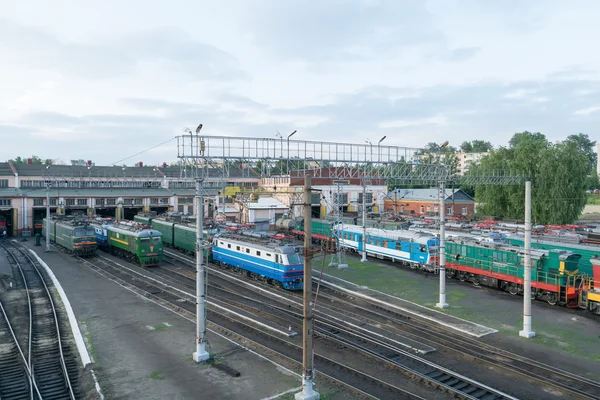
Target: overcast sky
(105, 80)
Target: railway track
(274, 347)
(394, 358)
(46, 363)
(554, 378)
(573, 385)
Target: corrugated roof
(429, 195)
(228, 209)
(5, 169)
(10, 192)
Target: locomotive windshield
(294, 258)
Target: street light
(288, 150)
(379, 148)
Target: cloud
(405, 123)
(463, 53)
(340, 29)
(587, 110)
(171, 50)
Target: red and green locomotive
(135, 242)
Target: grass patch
(156, 375)
(593, 199)
(161, 327)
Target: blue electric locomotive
(100, 226)
(419, 250)
(274, 263)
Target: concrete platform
(405, 306)
(143, 351)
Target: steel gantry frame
(203, 155)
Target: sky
(106, 80)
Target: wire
(143, 151)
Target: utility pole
(48, 222)
(364, 218)
(200, 354)
(527, 332)
(307, 392)
(442, 249)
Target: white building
(263, 211)
(465, 160)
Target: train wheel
(476, 280)
(533, 293)
(450, 273)
(279, 284)
(513, 289)
(552, 299)
(462, 276)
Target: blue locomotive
(101, 226)
(419, 250)
(264, 260)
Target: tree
(476, 146)
(558, 172)
(34, 160)
(586, 146)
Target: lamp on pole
(379, 148)
(288, 150)
(442, 250)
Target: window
(111, 202)
(464, 211)
(258, 253)
(127, 202)
(137, 201)
(248, 251)
(449, 210)
(268, 254)
(238, 248)
(422, 209)
(38, 202)
(52, 202)
(428, 208)
(164, 200)
(154, 200)
(3, 182)
(398, 246)
(156, 239)
(180, 208)
(99, 202)
(5, 202)
(401, 209)
(228, 245)
(82, 202)
(70, 202)
(221, 242)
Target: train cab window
(144, 240)
(385, 243)
(423, 249)
(156, 239)
(258, 253)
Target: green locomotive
(587, 251)
(180, 234)
(75, 235)
(554, 273)
(135, 242)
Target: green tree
(558, 172)
(34, 160)
(476, 146)
(586, 146)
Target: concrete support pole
(442, 250)
(527, 332)
(364, 218)
(200, 354)
(48, 222)
(307, 392)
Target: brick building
(420, 202)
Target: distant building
(264, 211)
(466, 160)
(421, 202)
